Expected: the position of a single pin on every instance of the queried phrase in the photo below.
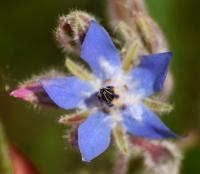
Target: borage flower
(112, 95)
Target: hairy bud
(71, 30)
(32, 91)
(159, 157)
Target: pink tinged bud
(34, 94)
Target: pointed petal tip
(151, 72)
(94, 136)
(21, 93)
(169, 54)
(86, 160)
(12, 93)
(151, 126)
(167, 135)
(97, 45)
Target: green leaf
(78, 70)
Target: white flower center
(116, 93)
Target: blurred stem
(121, 163)
(5, 161)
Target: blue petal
(94, 135)
(67, 92)
(142, 122)
(151, 73)
(98, 45)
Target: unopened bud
(149, 30)
(71, 30)
(33, 92)
(150, 33)
(129, 37)
(119, 10)
(160, 157)
(135, 15)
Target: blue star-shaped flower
(114, 96)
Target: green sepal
(130, 58)
(78, 70)
(121, 139)
(145, 26)
(158, 106)
(75, 118)
(125, 32)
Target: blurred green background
(27, 47)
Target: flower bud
(159, 157)
(71, 30)
(135, 15)
(119, 10)
(150, 33)
(123, 10)
(33, 92)
(129, 39)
